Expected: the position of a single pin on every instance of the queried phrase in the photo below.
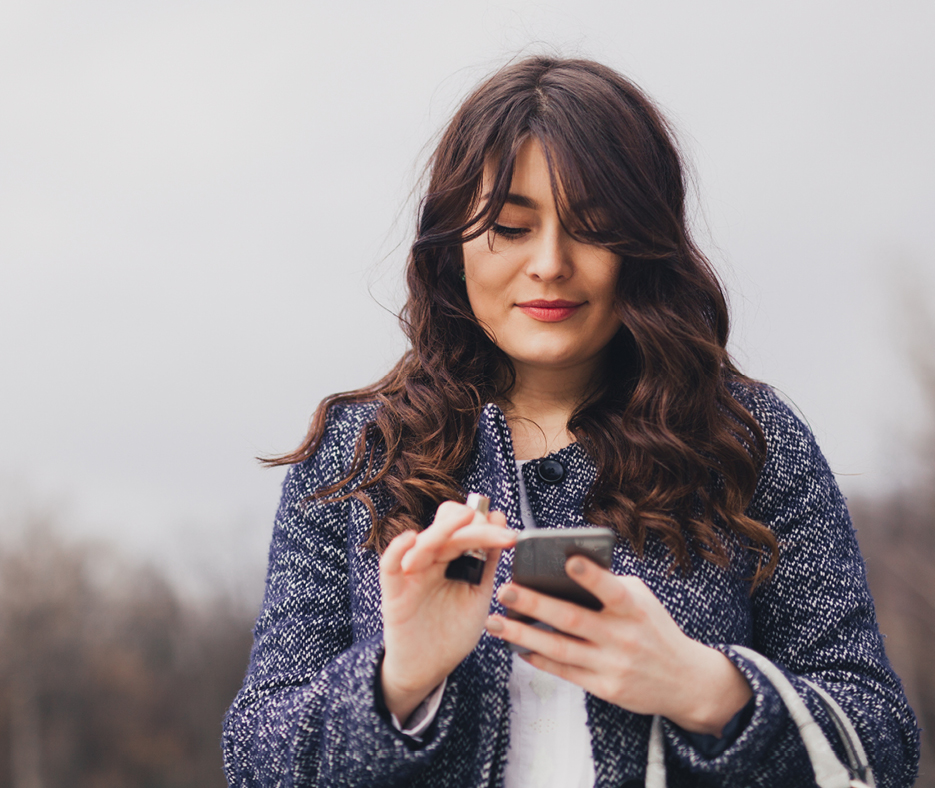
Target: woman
(559, 314)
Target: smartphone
(539, 564)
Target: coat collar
(492, 472)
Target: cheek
(607, 287)
(475, 252)
(486, 276)
(478, 289)
(610, 282)
(483, 300)
(470, 255)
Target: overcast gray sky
(204, 209)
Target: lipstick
(548, 311)
(469, 566)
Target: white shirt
(550, 744)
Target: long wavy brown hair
(677, 456)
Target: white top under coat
(550, 744)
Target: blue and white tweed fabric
(308, 713)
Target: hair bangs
(487, 204)
(586, 206)
(616, 172)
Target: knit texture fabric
(309, 713)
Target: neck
(540, 404)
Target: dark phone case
(539, 562)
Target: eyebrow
(516, 199)
(522, 201)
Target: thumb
(612, 590)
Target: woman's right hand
(431, 623)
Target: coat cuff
(710, 746)
(752, 744)
(347, 730)
(422, 717)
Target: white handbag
(829, 771)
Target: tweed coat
(309, 714)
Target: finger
(558, 647)
(564, 616)
(495, 540)
(391, 561)
(476, 537)
(616, 593)
(497, 518)
(485, 587)
(449, 518)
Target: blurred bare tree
(897, 536)
(107, 678)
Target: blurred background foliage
(897, 536)
(108, 677)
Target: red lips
(550, 311)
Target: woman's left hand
(631, 653)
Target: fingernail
(507, 595)
(494, 625)
(576, 566)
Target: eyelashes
(508, 232)
(602, 238)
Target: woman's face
(544, 298)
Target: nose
(551, 257)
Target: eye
(509, 232)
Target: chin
(556, 361)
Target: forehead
(531, 179)
(531, 176)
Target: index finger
(448, 519)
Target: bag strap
(856, 756)
(655, 761)
(829, 771)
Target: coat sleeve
(309, 713)
(814, 619)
